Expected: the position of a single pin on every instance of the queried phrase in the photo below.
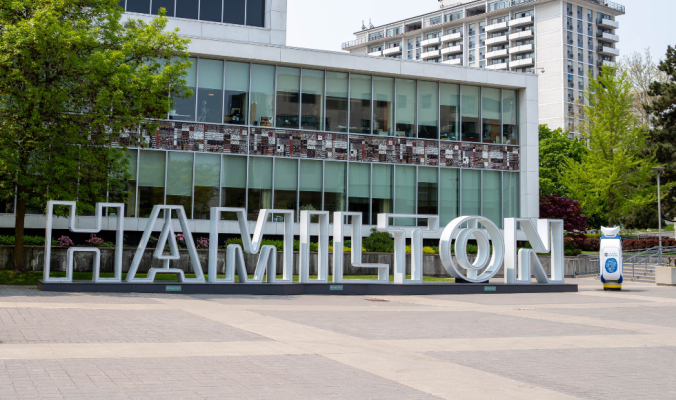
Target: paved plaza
(587, 345)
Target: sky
(322, 24)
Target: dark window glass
(138, 6)
(210, 10)
(255, 13)
(121, 3)
(166, 4)
(233, 11)
(187, 9)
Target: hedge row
(593, 244)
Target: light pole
(659, 170)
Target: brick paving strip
(279, 327)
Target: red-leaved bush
(561, 207)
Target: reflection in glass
(179, 187)
(166, 4)
(262, 94)
(383, 106)
(310, 193)
(260, 185)
(130, 208)
(406, 104)
(360, 103)
(382, 191)
(428, 110)
(490, 106)
(234, 11)
(360, 182)
(471, 192)
(450, 111)
(184, 109)
(207, 178)
(288, 97)
(312, 99)
(510, 119)
(334, 186)
(449, 186)
(187, 9)
(336, 101)
(491, 197)
(233, 184)
(470, 114)
(510, 194)
(427, 192)
(150, 181)
(404, 179)
(210, 91)
(236, 91)
(286, 184)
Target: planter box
(665, 276)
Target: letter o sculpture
(462, 235)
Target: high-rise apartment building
(563, 41)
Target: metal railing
(609, 4)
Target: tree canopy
(555, 149)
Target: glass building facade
(239, 12)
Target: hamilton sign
(494, 249)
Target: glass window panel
(184, 109)
(383, 106)
(166, 4)
(334, 186)
(130, 209)
(471, 192)
(236, 92)
(427, 192)
(210, 10)
(233, 183)
(151, 181)
(179, 181)
(470, 113)
(428, 110)
(360, 103)
(336, 101)
(255, 13)
(404, 178)
(510, 194)
(510, 117)
(449, 187)
(312, 99)
(260, 185)
(262, 94)
(360, 182)
(450, 111)
(234, 11)
(288, 97)
(138, 6)
(207, 178)
(491, 197)
(187, 9)
(210, 90)
(406, 104)
(286, 183)
(382, 191)
(490, 106)
(310, 195)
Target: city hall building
(271, 126)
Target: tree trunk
(19, 264)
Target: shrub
(94, 241)
(202, 243)
(379, 242)
(65, 241)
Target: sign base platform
(287, 289)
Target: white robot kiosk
(611, 259)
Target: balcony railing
(353, 43)
(609, 4)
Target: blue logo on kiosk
(611, 265)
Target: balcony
(455, 61)
(392, 51)
(451, 37)
(452, 50)
(430, 54)
(500, 26)
(521, 21)
(608, 23)
(501, 66)
(521, 49)
(606, 63)
(609, 37)
(496, 54)
(430, 42)
(353, 43)
(609, 51)
(496, 40)
(376, 53)
(524, 62)
(521, 35)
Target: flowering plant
(202, 243)
(180, 240)
(94, 241)
(65, 241)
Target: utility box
(610, 258)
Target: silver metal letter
(338, 236)
(323, 250)
(547, 238)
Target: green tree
(555, 149)
(662, 136)
(73, 80)
(615, 177)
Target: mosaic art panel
(394, 150)
(301, 144)
(197, 137)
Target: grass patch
(32, 277)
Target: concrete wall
(83, 262)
